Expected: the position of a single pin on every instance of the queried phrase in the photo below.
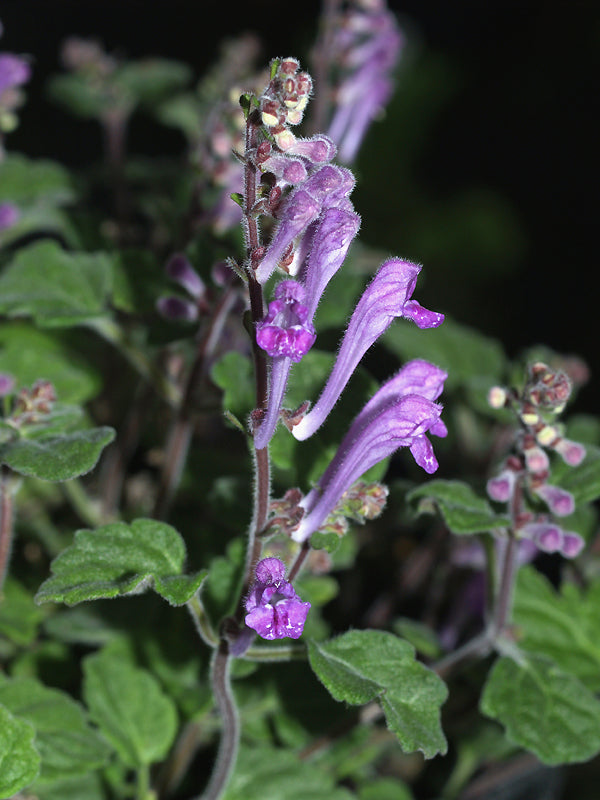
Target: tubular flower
(274, 609)
(387, 297)
(388, 422)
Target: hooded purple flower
(390, 420)
(387, 297)
(274, 609)
(286, 330)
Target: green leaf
(66, 743)
(224, 582)
(464, 512)
(80, 787)
(563, 626)
(56, 288)
(385, 789)
(129, 707)
(361, 666)
(150, 80)
(262, 773)
(29, 354)
(19, 616)
(543, 709)
(119, 559)
(24, 181)
(57, 458)
(19, 760)
(467, 355)
(233, 373)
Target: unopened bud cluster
(541, 400)
(31, 405)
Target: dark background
(483, 168)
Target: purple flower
(367, 45)
(286, 330)
(181, 271)
(386, 297)
(388, 422)
(274, 609)
(9, 215)
(501, 487)
(328, 187)
(14, 71)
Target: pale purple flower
(274, 610)
(559, 500)
(378, 431)
(181, 271)
(573, 544)
(177, 309)
(501, 487)
(551, 538)
(318, 149)
(572, 453)
(387, 297)
(7, 384)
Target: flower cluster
(363, 48)
(273, 608)
(543, 397)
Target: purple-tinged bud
(536, 460)
(299, 211)
(289, 170)
(177, 309)
(274, 610)
(286, 330)
(9, 215)
(572, 545)
(559, 501)
(572, 453)
(181, 271)
(501, 487)
(373, 436)
(384, 299)
(545, 535)
(318, 149)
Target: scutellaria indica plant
(189, 415)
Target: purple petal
(559, 500)
(270, 570)
(181, 271)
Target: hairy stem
(6, 522)
(230, 731)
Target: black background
(513, 115)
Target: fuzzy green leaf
(56, 288)
(234, 375)
(262, 773)
(129, 707)
(67, 744)
(543, 709)
(463, 511)
(361, 666)
(19, 760)
(57, 458)
(24, 181)
(29, 355)
(564, 626)
(19, 616)
(119, 559)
